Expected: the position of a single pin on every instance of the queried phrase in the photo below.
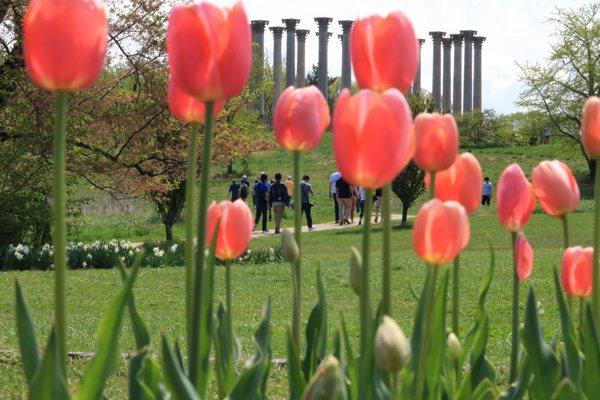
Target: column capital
(447, 43)
(457, 38)
(258, 25)
(478, 41)
(437, 35)
(328, 34)
(301, 34)
(323, 21)
(346, 24)
(290, 23)
(277, 31)
(341, 37)
(468, 35)
(421, 41)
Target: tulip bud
(289, 247)
(327, 382)
(392, 349)
(355, 269)
(454, 347)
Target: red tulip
(385, 52)
(437, 141)
(515, 199)
(461, 182)
(64, 43)
(235, 228)
(576, 271)
(590, 127)
(440, 232)
(301, 117)
(373, 137)
(209, 48)
(187, 108)
(555, 187)
(523, 257)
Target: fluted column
(457, 39)
(290, 51)
(477, 85)
(468, 74)
(437, 68)
(416, 88)
(258, 40)
(346, 64)
(277, 34)
(323, 35)
(447, 75)
(301, 66)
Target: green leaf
(47, 382)
(151, 380)
(437, 344)
(107, 349)
(316, 332)
(350, 360)
(252, 381)
(226, 353)
(481, 369)
(566, 390)
(140, 331)
(417, 334)
(517, 389)
(591, 350)
(485, 391)
(296, 380)
(180, 386)
(26, 334)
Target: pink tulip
(515, 199)
(235, 228)
(576, 271)
(436, 141)
(185, 107)
(523, 257)
(555, 187)
(590, 127)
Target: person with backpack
(244, 185)
(278, 199)
(305, 193)
(261, 195)
(234, 191)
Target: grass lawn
(160, 297)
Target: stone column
(457, 39)
(477, 87)
(346, 64)
(437, 68)
(290, 51)
(417, 82)
(277, 34)
(323, 35)
(258, 41)
(468, 74)
(301, 66)
(447, 75)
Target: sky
(517, 31)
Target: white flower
(249, 251)
(271, 250)
(89, 256)
(21, 248)
(206, 252)
(84, 264)
(174, 248)
(18, 255)
(130, 252)
(159, 253)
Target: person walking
(486, 192)
(289, 185)
(278, 199)
(344, 196)
(261, 194)
(305, 193)
(234, 191)
(377, 202)
(353, 201)
(333, 194)
(244, 185)
(361, 203)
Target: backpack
(278, 193)
(243, 190)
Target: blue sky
(516, 31)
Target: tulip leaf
(518, 388)
(26, 334)
(485, 390)
(417, 334)
(252, 381)
(437, 344)
(180, 386)
(107, 351)
(140, 331)
(150, 379)
(350, 359)
(316, 332)
(47, 383)
(226, 353)
(573, 357)
(591, 350)
(566, 391)
(296, 380)
(481, 369)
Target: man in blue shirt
(333, 194)
(487, 192)
(261, 193)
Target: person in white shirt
(361, 203)
(333, 194)
(487, 192)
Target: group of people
(349, 200)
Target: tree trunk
(169, 230)
(405, 207)
(230, 167)
(592, 166)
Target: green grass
(160, 297)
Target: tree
(479, 128)
(560, 85)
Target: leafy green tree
(479, 128)
(559, 85)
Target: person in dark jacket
(234, 191)
(278, 199)
(261, 195)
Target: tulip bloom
(437, 141)
(555, 187)
(523, 257)
(515, 199)
(235, 228)
(301, 116)
(590, 127)
(576, 271)
(64, 43)
(385, 52)
(186, 108)
(209, 49)
(461, 182)
(373, 136)
(440, 232)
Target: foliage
(408, 186)
(479, 128)
(523, 128)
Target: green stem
(395, 384)
(297, 306)
(422, 365)
(228, 303)
(581, 313)
(595, 272)
(386, 304)
(59, 236)
(455, 298)
(432, 185)
(514, 354)
(200, 246)
(364, 303)
(565, 225)
(190, 209)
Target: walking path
(326, 226)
